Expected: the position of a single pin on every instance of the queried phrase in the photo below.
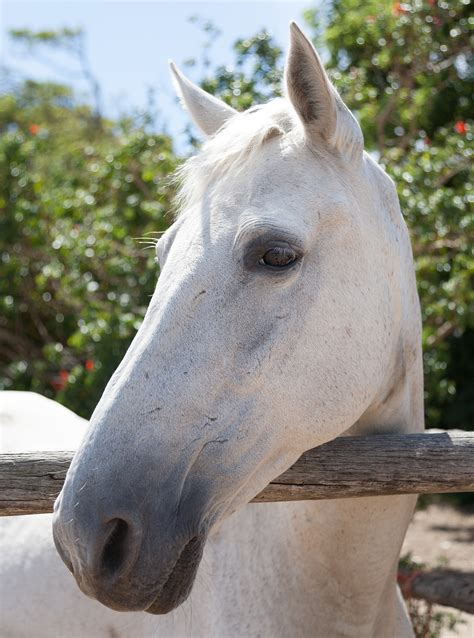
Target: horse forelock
(231, 148)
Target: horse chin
(181, 579)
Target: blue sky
(129, 43)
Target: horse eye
(279, 257)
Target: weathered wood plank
(385, 464)
(347, 467)
(441, 586)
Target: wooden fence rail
(440, 586)
(385, 464)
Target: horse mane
(232, 147)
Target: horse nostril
(114, 554)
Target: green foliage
(69, 41)
(434, 187)
(62, 38)
(75, 282)
(253, 79)
(256, 77)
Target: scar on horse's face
(243, 360)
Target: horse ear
(317, 103)
(208, 113)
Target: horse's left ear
(208, 113)
(317, 103)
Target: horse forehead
(278, 181)
(299, 175)
(285, 163)
(283, 184)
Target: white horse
(286, 314)
(38, 597)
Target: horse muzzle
(113, 561)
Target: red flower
(34, 129)
(89, 365)
(59, 383)
(460, 127)
(398, 9)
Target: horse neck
(333, 562)
(341, 556)
(398, 404)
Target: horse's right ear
(208, 113)
(316, 102)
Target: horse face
(265, 336)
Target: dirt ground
(442, 535)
